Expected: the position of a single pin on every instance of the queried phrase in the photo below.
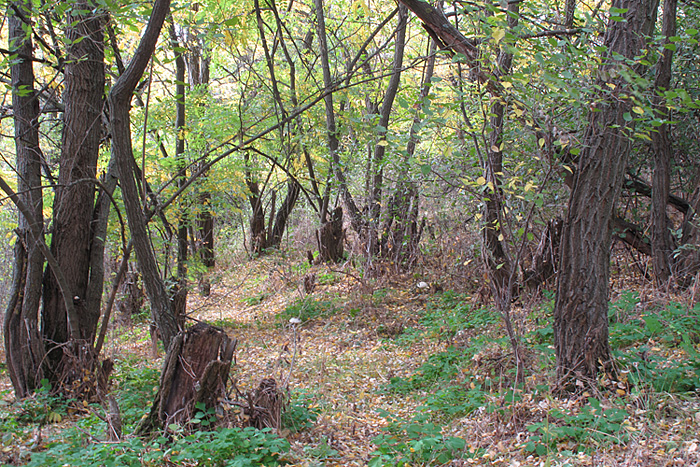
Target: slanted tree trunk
(581, 307)
(24, 347)
(119, 104)
(283, 213)
(374, 202)
(195, 371)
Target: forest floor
(382, 372)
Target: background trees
(348, 118)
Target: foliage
(301, 414)
(592, 422)
(307, 309)
(414, 442)
(233, 447)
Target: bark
(581, 306)
(661, 240)
(330, 238)
(449, 38)
(637, 185)
(74, 201)
(195, 371)
(119, 104)
(198, 72)
(687, 264)
(495, 253)
(181, 164)
(283, 213)
(546, 257)
(24, 347)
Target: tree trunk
(661, 240)
(581, 307)
(24, 347)
(195, 371)
(180, 301)
(330, 238)
(119, 104)
(377, 161)
(74, 202)
(400, 230)
(283, 213)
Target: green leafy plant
(591, 422)
(414, 442)
(307, 309)
(301, 413)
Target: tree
(581, 306)
(74, 202)
(120, 124)
(23, 344)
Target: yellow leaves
(383, 143)
(481, 181)
(498, 34)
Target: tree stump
(330, 238)
(195, 371)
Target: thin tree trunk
(180, 298)
(400, 230)
(119, 104)
(581, 307)
(661, 240)
(377, 181)
(24, 347)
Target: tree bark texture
(661, 239)
(195, 371)
(24, 347)
(119, 105)
(377, 182)
(330, 238)
(581, 307)
(74, 201)
(180, 302)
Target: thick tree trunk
(195, 371)
(119, 105)
(74, 202)
(24, 347)
(581, 307)
(330, 238)
(661, 240)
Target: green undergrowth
(654, 348)
(81, 443)
(307, 309)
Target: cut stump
(195, 371)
